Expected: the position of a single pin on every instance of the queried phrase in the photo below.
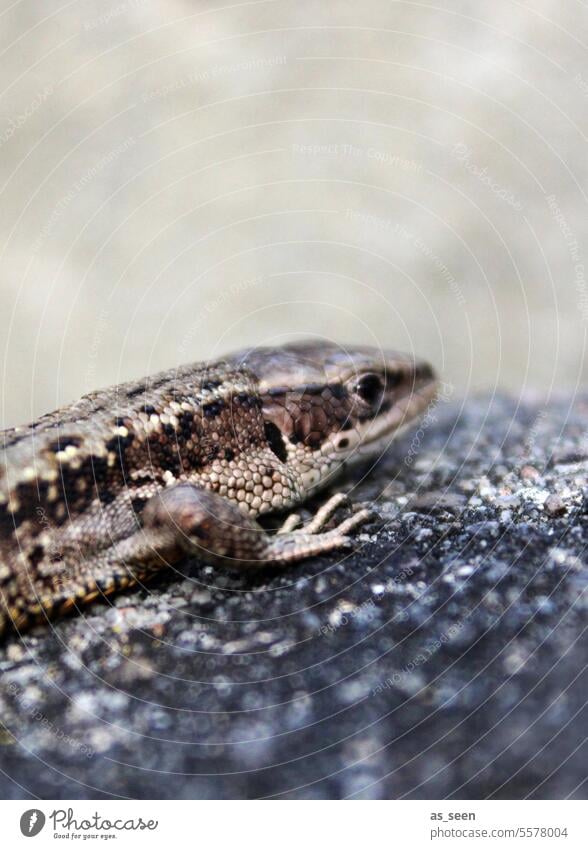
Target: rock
(554, 506)
(438, 502)
(441, 657)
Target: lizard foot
(323, 515)
(319, 520)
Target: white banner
(257, 825)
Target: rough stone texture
(444, 658)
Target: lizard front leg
(182, 520)
(203, 524)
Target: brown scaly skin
(102, 494)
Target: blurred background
(179, 179)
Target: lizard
(103, 494)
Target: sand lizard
(106, 492)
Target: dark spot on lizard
(138, 503)
(210, 385)
(119, 443)
(99, 469)
(276, 441)
(187, 427)
(248, 402)
(7, 523)
(213, 409)
(172, 461)
(36, 555)
(62, 442)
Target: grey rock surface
(444, 657)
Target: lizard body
(104, 493)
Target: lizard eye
(369, 388)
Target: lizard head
(326, 406)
